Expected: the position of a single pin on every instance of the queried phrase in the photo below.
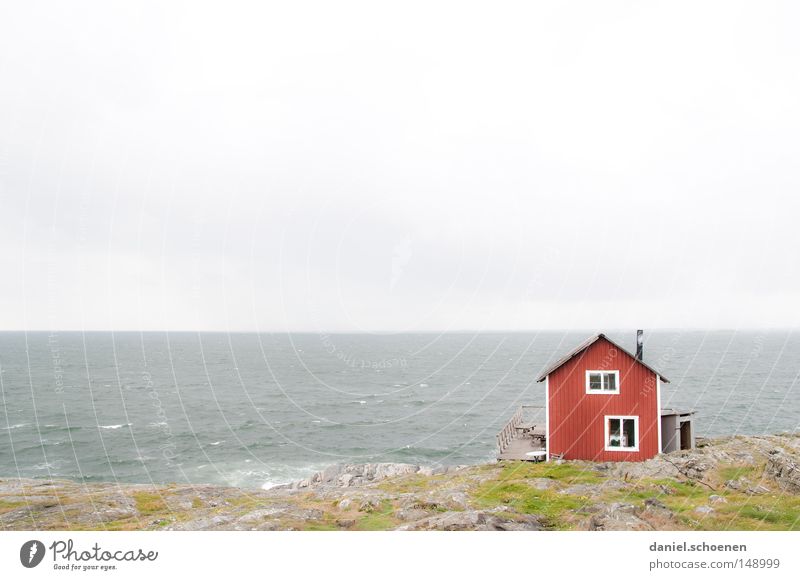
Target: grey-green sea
(255, 410)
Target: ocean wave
(137, 460)
(260, 444)
(423, 454)
(417, 403)
(115, 426)
(52, 428)
(43, 466)
(36, 446)
(17, 426)
(272, 476)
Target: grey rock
(582, 489)
(428, 471)
(757, 490)
(474, 520)
(259, 516)
(348, 475)
(654, 503)
(459, 500)
(423, 504)
(412, 514)
(656, 513)
(618, 516)
(541, 483)
(369, 505)
(784, 470)
(746, 486)
(208, 523)
(739, 484)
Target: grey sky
(420, 166)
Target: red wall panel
(577, 427)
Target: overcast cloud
(341, 166)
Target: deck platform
(517, 449)
(523, 436)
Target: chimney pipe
(639, 344)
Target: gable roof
(586, 344)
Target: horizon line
(378, 332)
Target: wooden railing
(509, 432)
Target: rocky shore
(733, 483)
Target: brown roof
(586, 344)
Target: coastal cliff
(732, 483)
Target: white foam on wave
(257, 474)
(115, 426)
(17, 426)
(43, 466)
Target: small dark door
(686, 435)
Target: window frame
(635, 419)
(602, 391)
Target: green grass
(321, 527)
(511, 488)
(551, 506)
(409, 484)
(680, 489)
(243, 501)
(680, 497)
(743, 512)
(380, 518)
(149, 504)
(126, 524)
(9, 506)
(735, 472)
(739, 511)
(568, 473)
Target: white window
(622, 433)
(602, 382)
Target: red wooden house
(602, 403)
